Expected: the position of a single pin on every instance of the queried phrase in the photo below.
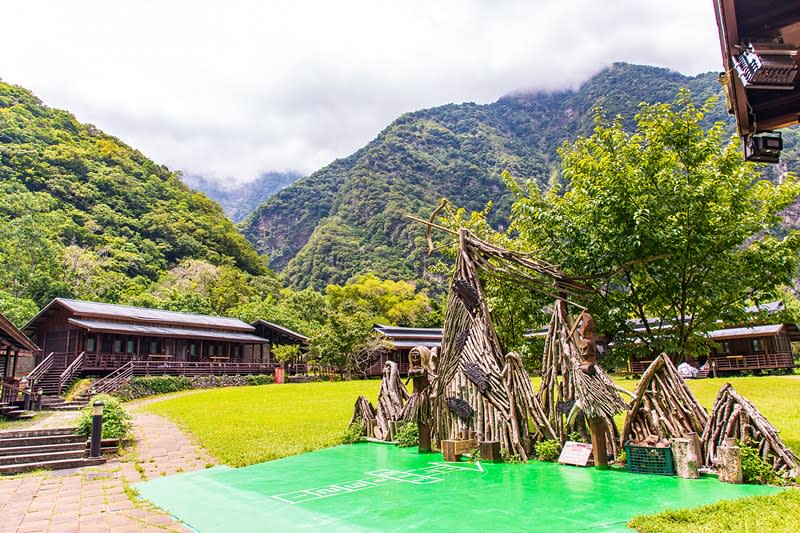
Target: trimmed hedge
(139, 387)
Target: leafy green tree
(17, 310)
(676, 204)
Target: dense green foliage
(350, 217)
(116, 420)
(143, 386)
(83, 215)
(354, 432)
(754, 468)
(408, 435)
(547, 450)
(673, 210)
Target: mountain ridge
(349, 217)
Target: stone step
(51, 465)
(66, 407)
(27, 433)
(38, 441)
(44, 448)
(21, 414)
(42, 457)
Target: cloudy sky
(231, 89)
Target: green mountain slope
(350, 217)
(79, 207)
(242, 199)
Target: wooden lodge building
(91, 338)
(17, 351)
(765, 347)
(401, 340)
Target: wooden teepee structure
(734, 416)
(478, 389)
(573, 383)
(663, 406)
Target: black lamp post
(97, 428)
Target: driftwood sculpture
(392, 405)
(733, 416)
(663, 407)
(472, 367)
(573, 383)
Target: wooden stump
(730, 462)
(686, 458)
(490, 451)
(599, 449)
(451, 449)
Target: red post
(279, 375)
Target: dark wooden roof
(741, 22)
(11, 336)
(403, 337)
(137, 316)
(281, 331)
(127, 328)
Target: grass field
(246, 425)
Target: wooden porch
(731, 362)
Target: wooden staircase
(53, 449)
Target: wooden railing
(734, 362)
(40, 369)
(12, 393)
(114, 380)
(752, 361)
(203, 368)
(105, 361)
(70, 372)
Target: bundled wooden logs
(363, 411)
(663, 407)
(473, 369)
(733, 416)
(572, 385)
(392, 397)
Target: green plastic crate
(647, 460)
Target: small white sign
(575, 453)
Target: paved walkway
(99, 499)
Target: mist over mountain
(240, 199)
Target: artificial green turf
(375, 487)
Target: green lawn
(246, 425)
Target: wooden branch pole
(599, 437)
(420, 389)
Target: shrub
(407, 435)
(755, 469)
(261, 379)
(116, 421)
(547, 450)
(353, 433)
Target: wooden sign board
(575, 453)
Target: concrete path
(99, 499)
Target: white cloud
(231, 89)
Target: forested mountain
(82, 214)
(240, 200)
(350, 217)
